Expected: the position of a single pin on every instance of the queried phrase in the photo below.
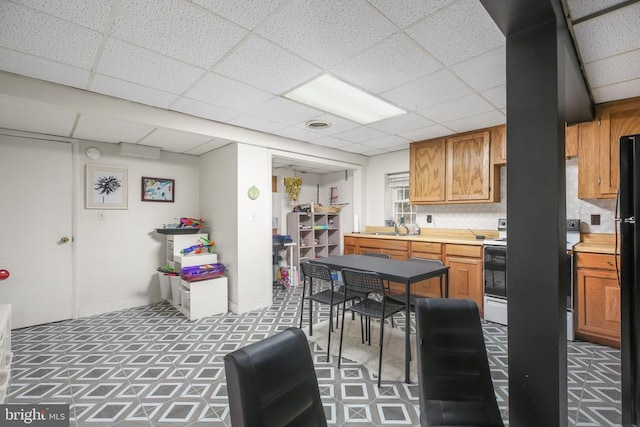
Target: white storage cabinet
(200, 298)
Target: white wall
(241, 226)
(475, 216)
(116, 258)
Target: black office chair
(273, 383)
(327, 296)
(453, 370)
(367, 307)
(400, 298)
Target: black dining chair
(328, 296)
(368, 307)
(380, 255)
(273, 382)
(456, 388)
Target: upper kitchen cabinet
(499, 145)
(427, 171)
(598, 147)
(468, 167)
(457, 169)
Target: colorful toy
(202, 272)
(168, 270)
(204, 245)
(191, 223)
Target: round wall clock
(253, 192)
(93, 153)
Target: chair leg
(310, 318)
(329, 334)
(380, 357)
(341, 335)
(302, 302)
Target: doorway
(36, 184)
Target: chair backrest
(453, 368)
(316, 271)
(376, 254)
(362, 280)
(273, 383)
(427, 260)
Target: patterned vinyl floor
(149, 366)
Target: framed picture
(106, 187)
(158, 189)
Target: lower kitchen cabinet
(431, 287)
(598, 299)
(465, 272)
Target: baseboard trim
(253, 305)
(115, 306)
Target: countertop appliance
(629, 290)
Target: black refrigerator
(629, 276)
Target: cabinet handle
(599, 180)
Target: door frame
(76, 202)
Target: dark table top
(390, 269)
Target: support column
(536, 214)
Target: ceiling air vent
(317, 124)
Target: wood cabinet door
(598, 305)
(427, 171)
(465, 279)
(571, 141)
(615, 121)
(588, 161)
(468, 175)
(499, 145)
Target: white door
(35, 229)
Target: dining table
(394, 270)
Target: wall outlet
(429, 219)
(595, 219)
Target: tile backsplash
(485, 216)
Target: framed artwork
(106, 187)
(158, 189)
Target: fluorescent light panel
(337, 97)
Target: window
(401, 209)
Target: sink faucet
(396, 226)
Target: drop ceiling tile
(88, 13)
(402, 123)
(466, 106)
(26, 30)
(43, 69)
(177, 29)
(615, 69)
(208, 146)
(331, 142)
(361, 149)
(628, 89)
(262, 64)
(458, 32)
(137, 65)
(174, 140)
(496, 95)
(360, 134)
(301, 134)
(390, 142)
(317, 29)
(406, 12)
(131, 91)
(219, 90)
(104, 129)
(484, 71)
(203, 109)
(435, 131)
(282, 110)
(18, 114)
(484, 120)
(610, 34)
(433, 89)
(390, 63)
(581, 8)
(375, 152)
(258, 123)
(247, 13)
